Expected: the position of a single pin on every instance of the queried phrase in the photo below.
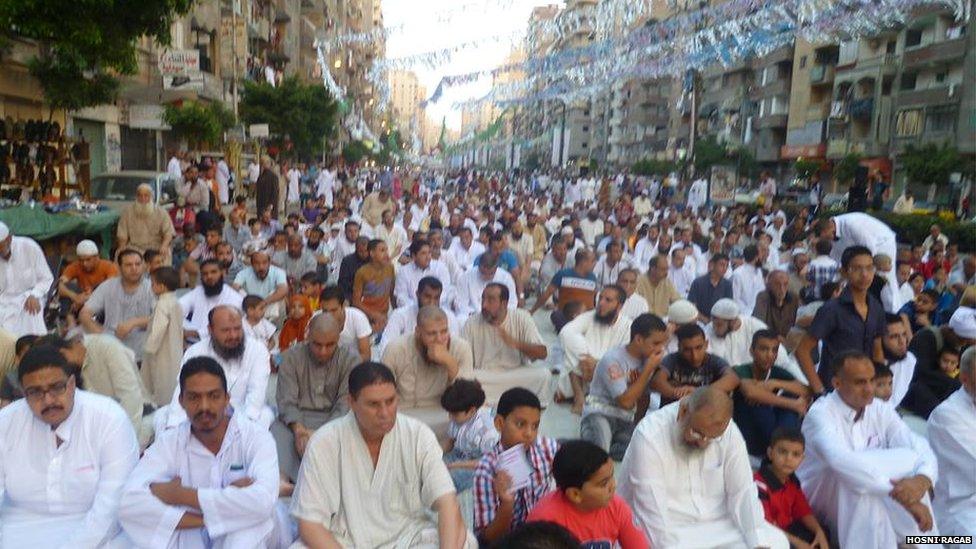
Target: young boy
(883, 377)
(164, 340)
(497, 506)
(311, 288)
(472, 431)
(920, 313)
(782, 498)
(585, 502)
(255, 325)
(949, 361)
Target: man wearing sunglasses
(686, 476)
(64, 457)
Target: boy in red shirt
(585, 502)
(782, 498)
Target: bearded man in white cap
(730, 334)
(25, 279)
(80, 278)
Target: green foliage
(305, 113)
(648, 166)
(201, 125)
(748, 166)
(83, 48)
(354, 152)
(806, 169)
(709, 152)
(931, 163)
(845, 169)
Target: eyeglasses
(37, 394)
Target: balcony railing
(939, 52)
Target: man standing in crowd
(25, 279)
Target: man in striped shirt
(502, 503)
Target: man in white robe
(467, 302)
(64, 457)
(697, 194)
(408, 277)
(211, 292)
(748, 279)
(211, 482)
(25, 279)
(686, 476)
(858, 228)
(403, 320)
(466, 249)
(952, 434)
(246, 363)
(369, 479)
(900, 360)
(505, 342)
(587, 337)
(865, 472)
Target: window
(908, 81)
(803, 62)
(585, 145)
(940, 77)
(891, 47)
(909, 123)
(586, 128)
(913, 38)
(940, 120)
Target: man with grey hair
(425, 363)
(313, 385)
(776, 306)
(145, 226)
(952, 435)
(707, 498)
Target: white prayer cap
(86, 248)
(4, 230)
(682, 312)
(963, 322)
(337, 226)
(725, 309)
(567, 230)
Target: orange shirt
(87, 281)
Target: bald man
(246, 363)
(865, 471)
(145, 226)
(313, 382)
(686, 476)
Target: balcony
(862, 109)
(821, 74)
(780, 86)
(937, 53)
(772, 121)
(931, 96)
(838, 148)
(818, 112)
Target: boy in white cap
(80, 278)
(25, 279)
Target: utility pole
(233, 47)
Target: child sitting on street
(255, 325)
(472, 431)
(782, 498)
(883, 377)
(585, 502)
(498, 505)
(293, 330)
(949, 361)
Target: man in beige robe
(145, 226)
(425, 363)
(657, 288)
(505, 342)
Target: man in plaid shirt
(497, 508)
(823, 269)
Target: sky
(420, 26)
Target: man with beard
(473, 284)
(174, 498)
(64, 457)
(312, 390)
(686, 476)
(748, 279)
(554, 261)
(655, 288)
(265, 281)
(776, 306)
(425, 363)
(267, 188)
(505, 342)
(351, 265)
(24, 282)
(692, 366)
(900, 360)
(348, 243)
(210, 293)
(423, 264)
(588, 336)
(296, 260)
(236, 232)
(145, 226)
(865, 471)
(646, 248)
(246, 364)
(403, 320)
(127, 302)
(320, 250)
(229, 263)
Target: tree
(302, 114)
(354, 152)
(84, 48)
(201, 125)
(648, 166)
(806, 169)
(708, 153)
(931, 163)
(845, 169)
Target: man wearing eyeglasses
(64, 457)
(686, 476)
